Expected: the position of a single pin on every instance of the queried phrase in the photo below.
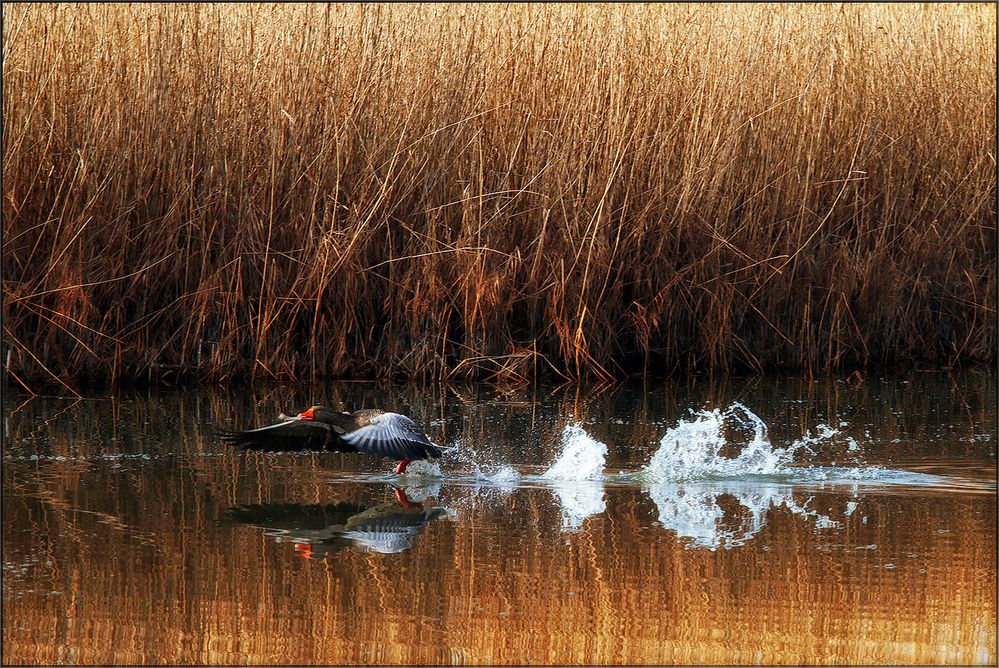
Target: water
(744, 521)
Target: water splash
(501, 475)
(694, 448)
(824, 433)
(482, 469)
(423, 468)
(582, 457)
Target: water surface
(744, 521)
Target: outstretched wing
(288, 436)
(392, 435)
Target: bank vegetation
(498, 192)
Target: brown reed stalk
(455, 191)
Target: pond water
(836, 521)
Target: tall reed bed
(501, 191)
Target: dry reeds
(503, 191)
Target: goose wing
(392, 435)
(287, 436)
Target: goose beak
(307, 415)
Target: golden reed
(495, 192)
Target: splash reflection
(699, 513)
(579, 501)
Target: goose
(369, 431)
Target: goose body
(369, 431)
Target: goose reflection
(317, 530)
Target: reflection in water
(872, 545)
(579, 500)
(316, 530)
(699, 513)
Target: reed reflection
(317, 530)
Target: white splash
(497, 473)
(423, 468)
(824, 434)
(693, 448)
(582, 457)
(502, 480)
(503, 474)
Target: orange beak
(307, 415)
